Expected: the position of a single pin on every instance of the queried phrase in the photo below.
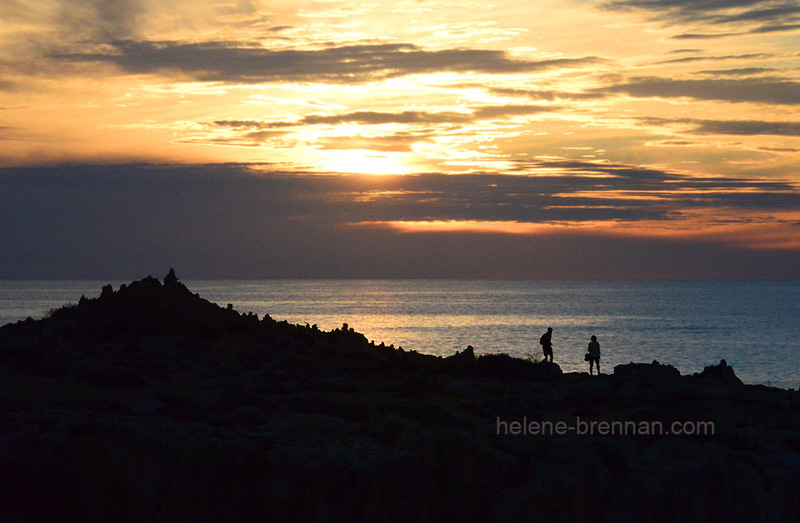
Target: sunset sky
(492, 139)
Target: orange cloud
(750, 232)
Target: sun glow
(362, 161)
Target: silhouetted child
(546, 341)
(593, 355)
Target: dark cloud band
(234, 220)
(402, 118)
(726, 17)
(755, 90)
(732, 127)
(237, 62)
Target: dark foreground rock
(152, 404)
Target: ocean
(754, 325)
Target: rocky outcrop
(463, 362)
(648, 373)
(722, 373)
(499, 366)
(149, 403)
(503, 366)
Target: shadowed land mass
(151, 403)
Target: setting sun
(359, 161)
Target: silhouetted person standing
(546, 341)
(594, 355)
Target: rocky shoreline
(150, 403)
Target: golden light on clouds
(601, 106)
(771, 234)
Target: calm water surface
(754, 325)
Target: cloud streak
(760, 15)
(547, 95)
(733, 127)
(413, 118)
(251, 63)
(739, 71)
(749, 56)
(752, 90)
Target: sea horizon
(685, 323)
